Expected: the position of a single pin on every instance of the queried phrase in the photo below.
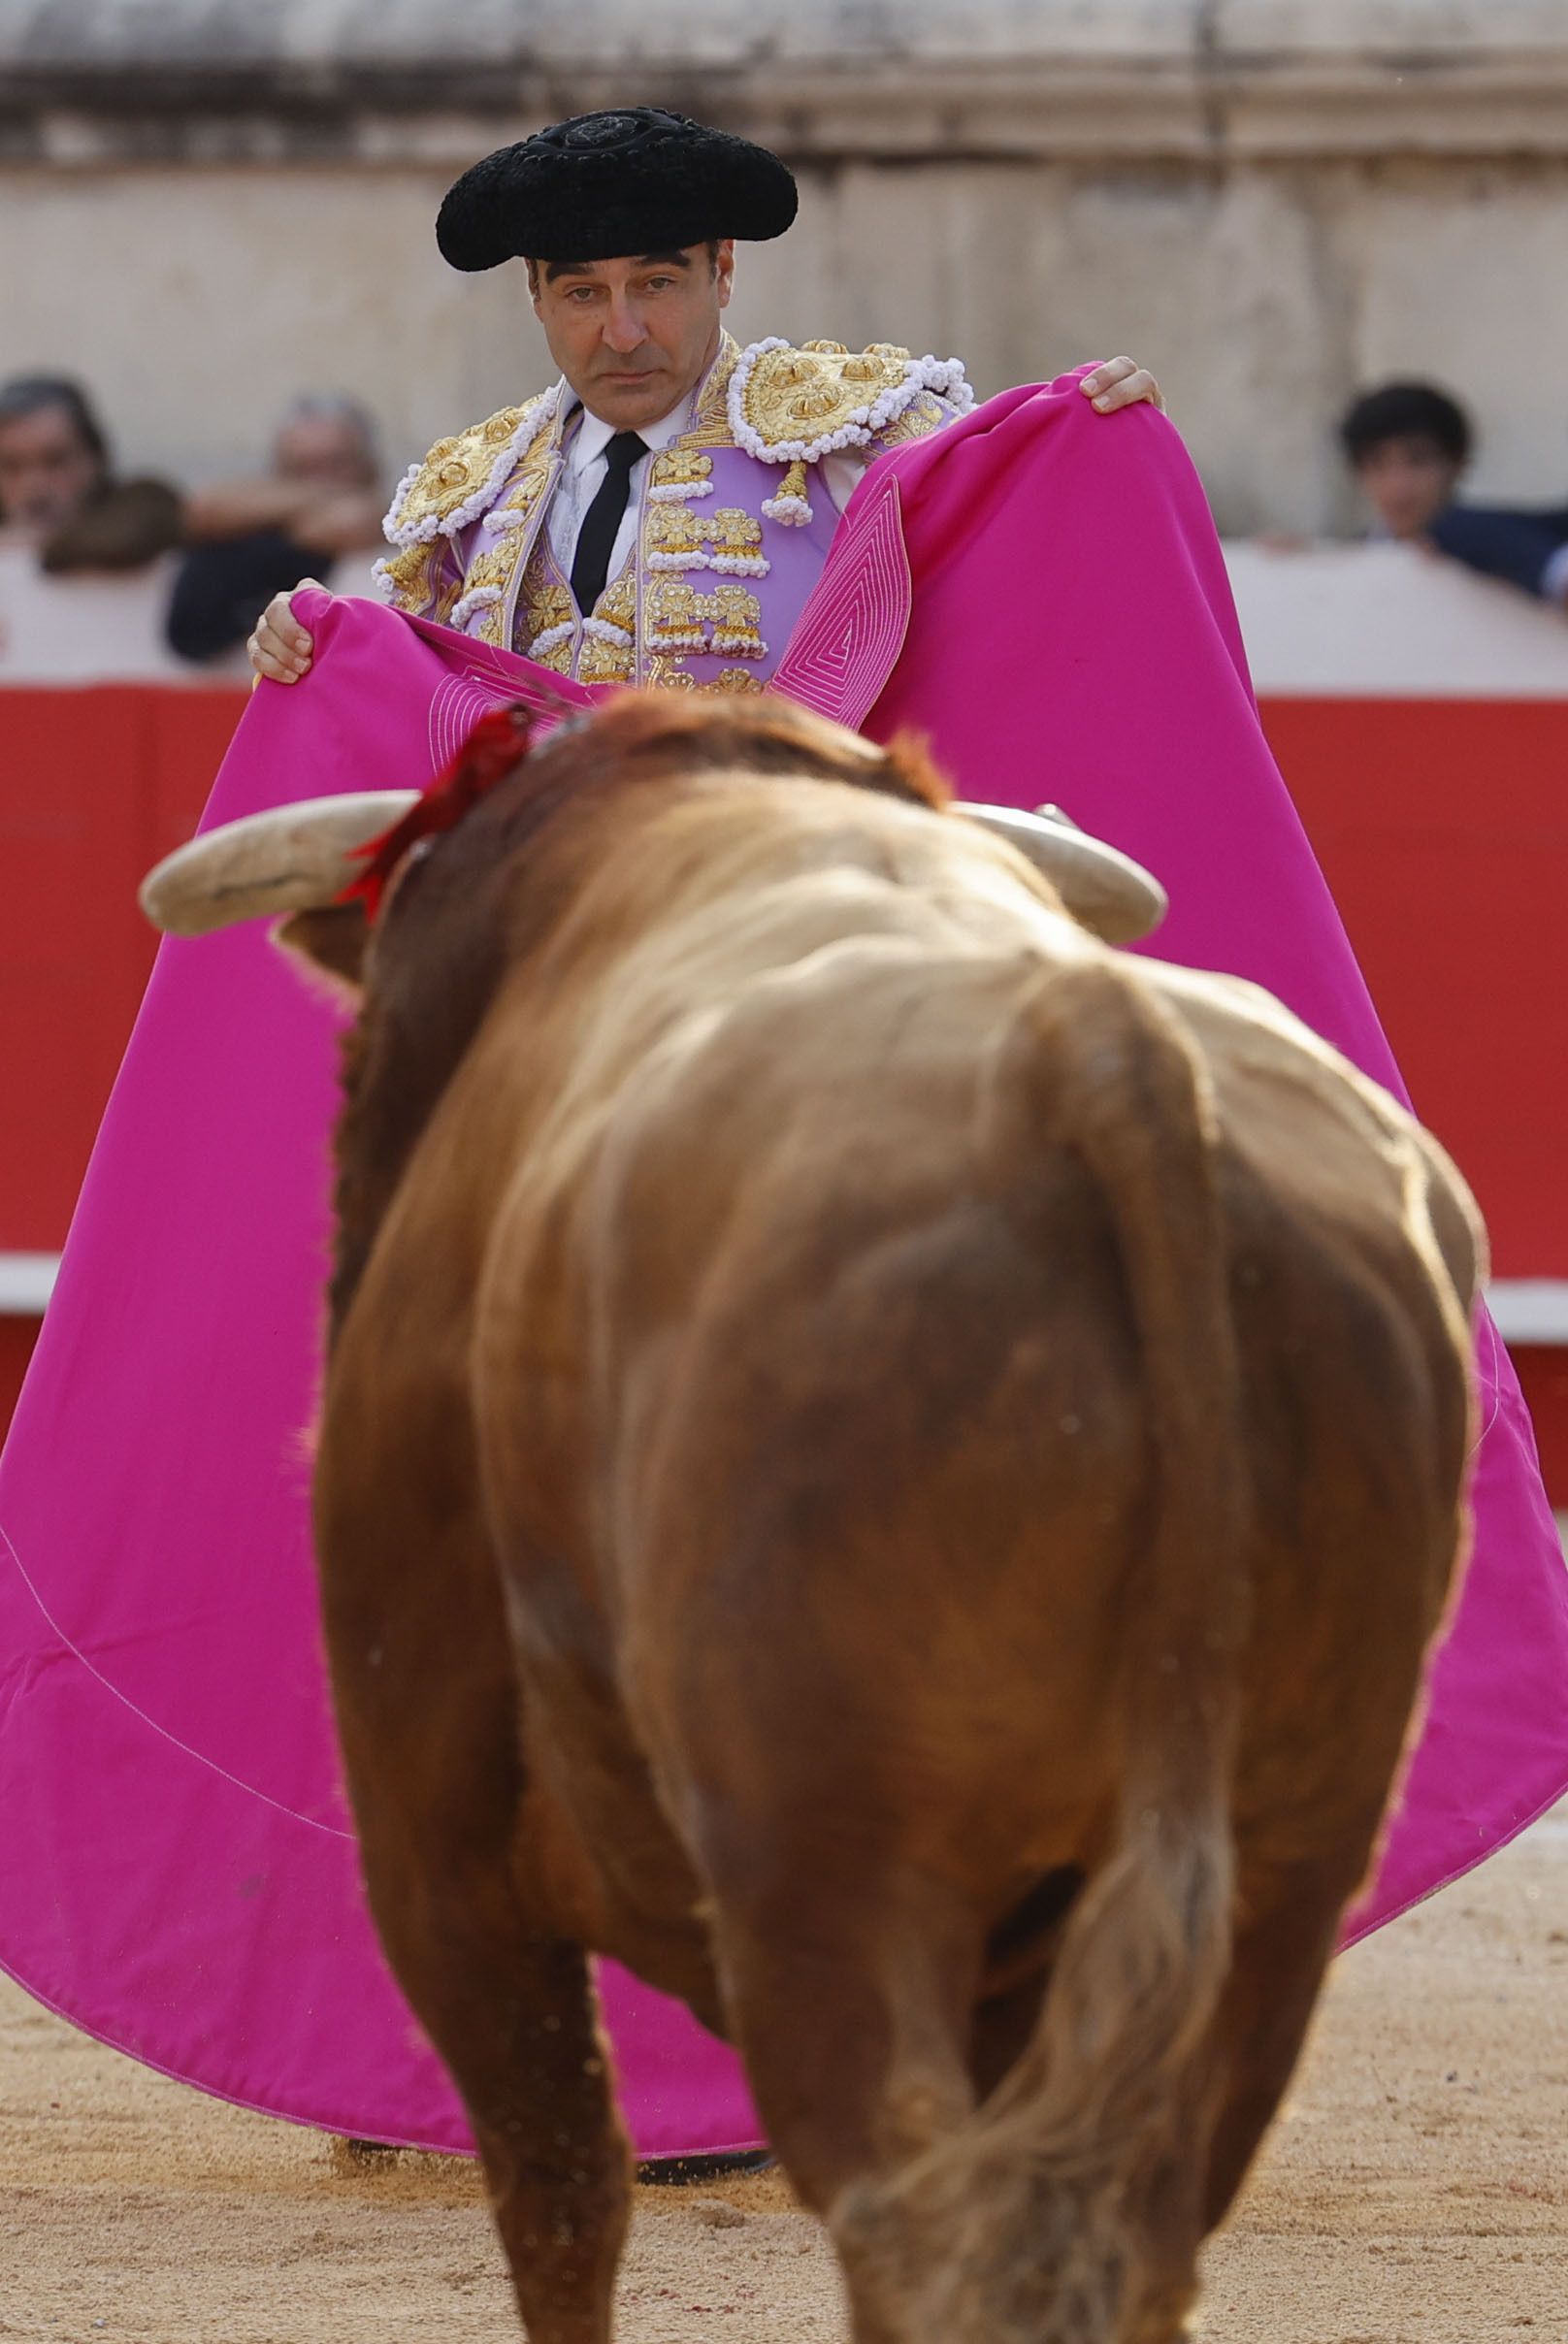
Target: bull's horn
(1100, 886)
(290, 858)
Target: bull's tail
(1084, 2186)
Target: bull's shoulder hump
(462, 476)
(795, 402)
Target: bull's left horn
(1102, 888)
(292, 858)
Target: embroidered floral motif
(608, 654)
(680, 474)
(737, 539)
(673, 613)
(672, 676)
(549, 614)
(674, 538)
(736, 621)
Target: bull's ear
(332, 939)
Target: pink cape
(179, 1874)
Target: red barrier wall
(1442, 826)
(95, 784)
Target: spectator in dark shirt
(1525, 545)
(1408, 445)
(255, 539)
(57, 488)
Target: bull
(883, 1462)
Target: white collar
(594, 435)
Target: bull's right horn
(292, 858)
(1103, 888)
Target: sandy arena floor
(1416, 2192)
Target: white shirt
(585, 465)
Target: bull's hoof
(675, 2173)
(362, 2156)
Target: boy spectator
(1408, 445)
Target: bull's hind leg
(1277, 1975)
(428, 1718)
(851, 1997)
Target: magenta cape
(179, 1874)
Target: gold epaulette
(791, 405)
(462, 477)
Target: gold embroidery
(676, 535)
(812, 392)
(918, 421)
(546, 603)
(455, 469)
(710, 424)
(736, 621)
(490, 572)
(673, 613)
(409, 577)
(679, 466)
(670, 676)
(618, 604)
(605, 663)
(732, 531)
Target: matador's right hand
(280, 648)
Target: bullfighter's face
(633, 338)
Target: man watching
(57, 491)
(250, 540)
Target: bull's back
(863, 1413)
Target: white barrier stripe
(26, 1282)
(1526, 1310)
(1530, 1310)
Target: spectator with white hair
(250, 540)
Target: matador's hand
(1121, 382)
(281, 648)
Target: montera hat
(605, 185)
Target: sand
(1415, 2193)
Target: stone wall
(208, 206)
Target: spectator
(57, 489)
(255, 539)
(1408, 445)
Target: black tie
(596, 538)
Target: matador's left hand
(1121, 382)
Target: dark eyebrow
(554, 269)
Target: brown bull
(891, 1467)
